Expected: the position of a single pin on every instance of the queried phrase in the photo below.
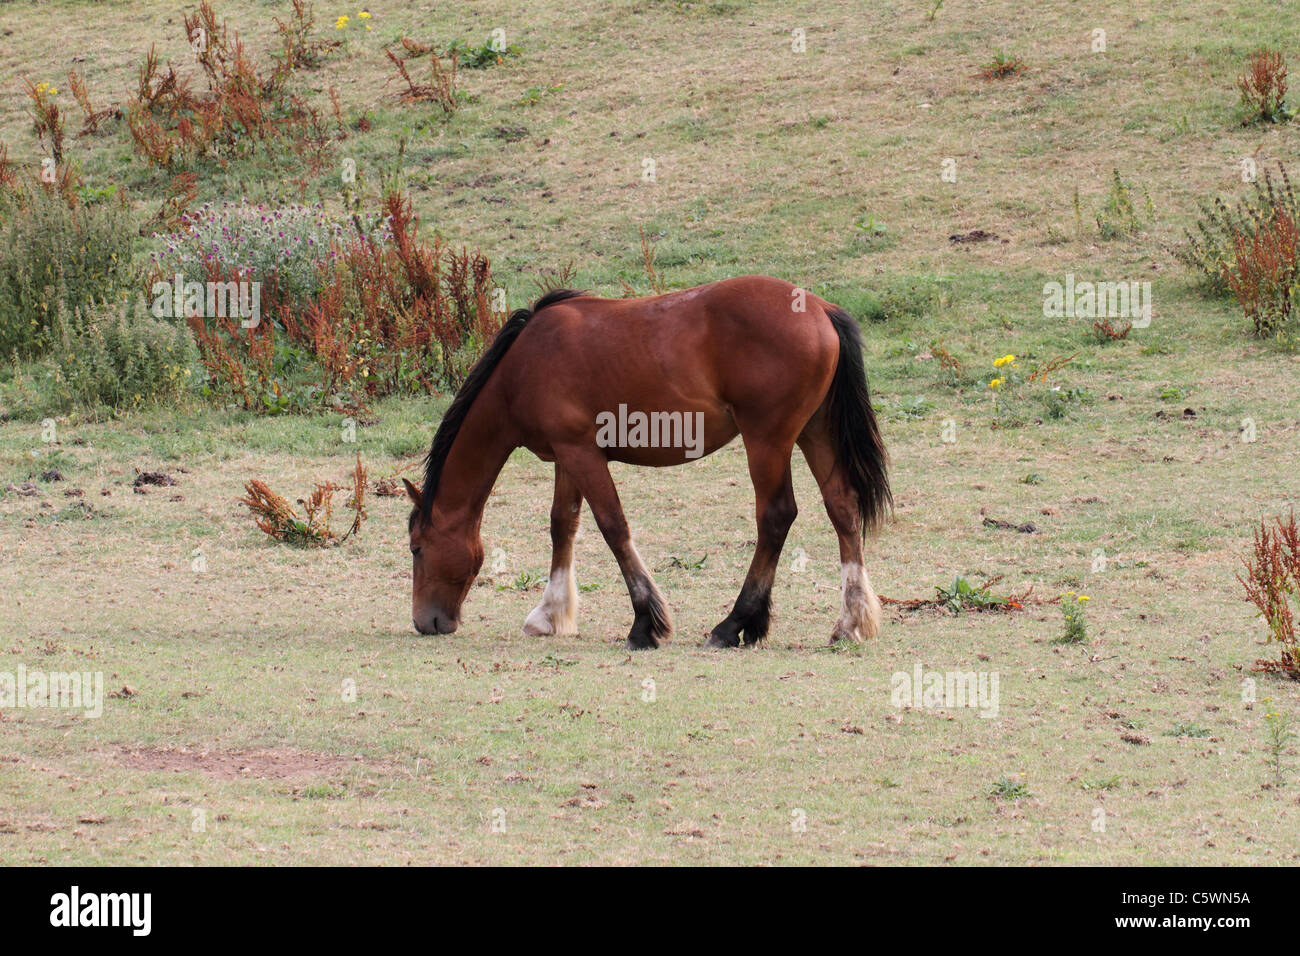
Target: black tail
(858, 445)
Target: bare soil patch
(276, 764)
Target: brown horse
(582, 381)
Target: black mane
(474, 382)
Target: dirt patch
(975, 235)
(278, 764)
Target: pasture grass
(823, 168)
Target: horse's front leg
(558, 612)
(587, 467)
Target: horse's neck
(478, 454)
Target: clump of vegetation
(952, 370)
(1118, 216)
(550, 278)
(964, 596)
(1265, 277)
(55, 254)
(1252, 250)
(534, 94)
(1210, 251)
(914, 406)
(1005, 385)
(551, 659)
(1008, 789)
(47, 121)
(1003, 65)
(1058, 400)
(1076, 625)
(527, 581)
(1012, 391)
(873, 234)
(1263, 88)
(492, 53)
(1271, 581)
(649, 264)
(284, 246)
(349, 311)
(1105, 331)
(1277, 727)
(93, 117)
(244, 106)
(277, 518)
(400, 314)
(112, 355)
(299, 48)
(441, 86)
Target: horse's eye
(415, 550)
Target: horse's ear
(413, 493)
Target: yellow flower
(1005, 360)
(1083, 597)
(363, 15)
(341, 22)
(996, 382)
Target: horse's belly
(660, 438)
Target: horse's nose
(435, 623)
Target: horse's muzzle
(436, 624)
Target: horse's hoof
(538, 624)
(718, 641)
(642, 644)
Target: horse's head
(445, 562)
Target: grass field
(231, 658)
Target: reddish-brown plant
(1263, 87)
(441, 88)
(1106, 330)
(94, 117)
(278, 519)
(1263, 273)
(1271, 581)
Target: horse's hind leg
(557, 614)
(769, 469)
(589, 471)
(860, 608)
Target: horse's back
(745, 313)
(734, 350)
